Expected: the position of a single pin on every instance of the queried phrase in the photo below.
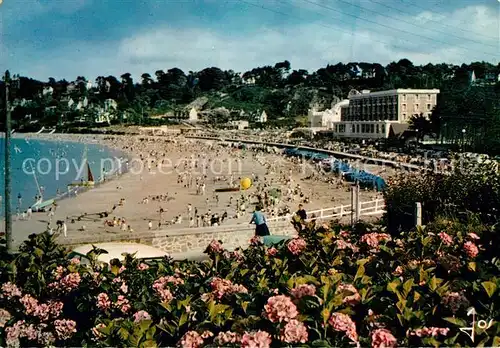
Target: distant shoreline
(82, 139)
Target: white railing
(278, 223)
(374, 207)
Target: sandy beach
(160, 192)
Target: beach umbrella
(245, 183)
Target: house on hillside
(239, 124)
(193, 115)
(110, 104)
(262, 118)
(489, 78)
(47, 90)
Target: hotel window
(429, 107)
(428, 97)
(378, 129)
(404, 97)
(404, 117)
(417, 97)
(415, 107)
(383, 128)
(357, 128)
(372, 128)
(404, 107)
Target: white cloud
(308, 46)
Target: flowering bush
(332, 286)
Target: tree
(421, 125)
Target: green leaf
(362, 262)
(149, 344)
(471, 266)
(244, 305)
(243, 271)
(183, 319)
(490, 288)
(434, 283)
(401, 305)
(456, 321)
(320, 343)
(393, 286)
(407, 286)
(426, 241)
(145, 324)
(360, 272)
(123, 333)
(416, 296)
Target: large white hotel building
(372, 115)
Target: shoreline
(115, 152)
(81, 212)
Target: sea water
(49, 167)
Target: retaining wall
(232, 237)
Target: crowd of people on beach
(217, 197)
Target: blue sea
(51, 166)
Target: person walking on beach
(260, 222)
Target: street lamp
(8, 215)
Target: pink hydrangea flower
(30, 304)
(280, 308)
(122, 269)
(215, 247)
(65, 328)
(222, 287)
(70, 282)
(206, 334)
(10, 290)
(42, 311)
(161, 287)
(75, 261)
(344, 234)
(123, 304)
(303, 290)
(343, 323)
(398, 271)
(14, 332)
(140, 316)
(4, 317)
(142, 267)
(58, 272)
(191, 339)
(228, 337)
(124, 288)
(471, 249)
(255, 240)
(296, 246)
(383, 338)
(96, 330)
(342, 245)
(445, 238)
(294, 332)
(55, 308)
(430, 331)
(103, 301)
(373, 239)
(454, 301)
(259, 339)
(272, 251)
(473, 236)
(352, 299)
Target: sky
(70, 38)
